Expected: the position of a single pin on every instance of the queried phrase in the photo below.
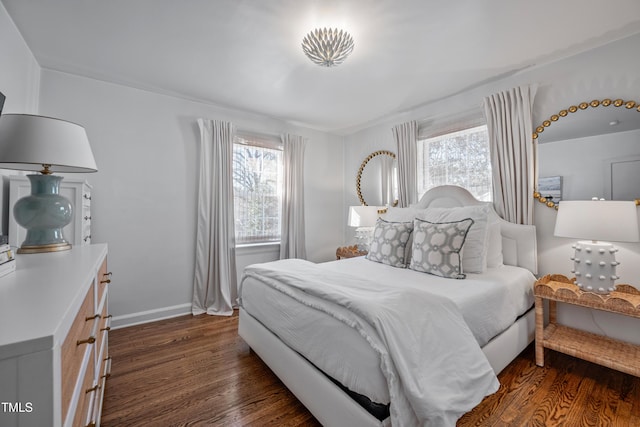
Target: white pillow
(401, 214)
(437, 246)
(389, 243)
(474, 257)
(494, 245)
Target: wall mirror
(589, 150)
(377, 179)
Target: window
(257, 187)
(456, 158)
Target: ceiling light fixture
(327, 47)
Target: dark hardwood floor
(196, 371)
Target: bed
(306, 322)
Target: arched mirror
(377, 182)
(589, 150)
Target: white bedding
(489, 303)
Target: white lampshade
(599, 221)
(614, 221)
(27, 142)
(363, 216)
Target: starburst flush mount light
(327, 47)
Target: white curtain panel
(406, 137)
(292, 244)
(215, 285)
(386, 179)
(513, 160)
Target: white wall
(19, 82)
(19, 71)
(606, 72)
(145, 196)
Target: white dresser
(54, 326)
(78, 191)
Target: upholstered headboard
(519, 245)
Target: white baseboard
(150, 316)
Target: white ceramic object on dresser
(77, 190)
(54, 327)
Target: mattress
(489, 302)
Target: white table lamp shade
(598, 222)
(27, 142)
(608, 220)
(364, 219)
(363, 216)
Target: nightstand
(349, 252)
(605, 351)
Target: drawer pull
(86, 197)
(108, 316)
(106, 376)
(105, 281)
(87, 218)
(89, 340)
(108, 328)
(87, 237)
(92, 389)
(107, 274)
(86, 319)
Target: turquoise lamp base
(44, 213)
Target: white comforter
(433, 378)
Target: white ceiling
(246, 54)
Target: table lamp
(46, 145)
(364, 219)
(597, 220)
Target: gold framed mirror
(557, 120)
(377, 179)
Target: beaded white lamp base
(594, 266)
(363, 237)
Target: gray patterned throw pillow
(389, 243)
(436, 247)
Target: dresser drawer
(104, 278)
(86, 235)
(103, 361)
(75, 346)
(87, 393)
(103, 371)
(97, 408)
(86, 196)
(103, 330)
(86, 214)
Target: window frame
(268, 142)
(437, 128)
